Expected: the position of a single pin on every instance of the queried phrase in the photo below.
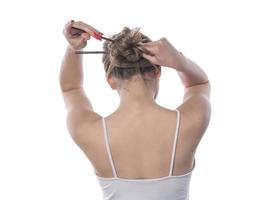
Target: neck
(136, 96)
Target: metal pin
(89, 52)
(109, 39)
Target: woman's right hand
(76, 41)
(163, 53)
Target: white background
(233, 41)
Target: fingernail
(97, 36)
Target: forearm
(191, 73)
(71, 72)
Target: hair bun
(124, 47)
(133, 54)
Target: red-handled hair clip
(98, 36)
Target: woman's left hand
(78, 42)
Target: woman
(142, 150)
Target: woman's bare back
(141, 143)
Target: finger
(152, 59)
(148, 44)
(86, 36)
(152, 47)
(68, 26)
(90, 27)
(87, 28)
(84, 40)
(147, 50)
(97, 36)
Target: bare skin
(141, 132)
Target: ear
(158, 73)
(112, 82)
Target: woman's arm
(78, 107)
(71, 72)
(195, 103)
(163, 53)
(190, 73)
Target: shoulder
(195, 116)
(83, 126)
(197, 109)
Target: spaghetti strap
(108, 147)
(175, 142)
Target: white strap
(108, 147)
(175, 142)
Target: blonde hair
(123, 58)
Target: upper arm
(196, 106)
(79, 111)
(203, 89)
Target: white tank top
(165, 188)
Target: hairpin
(89, 52)
(77, 31)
